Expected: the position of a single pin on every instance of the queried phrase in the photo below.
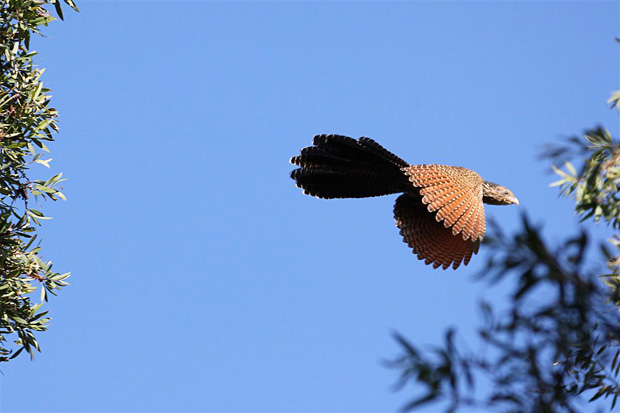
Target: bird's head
(495, 194)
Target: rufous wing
(430, 240)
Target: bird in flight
(440, 213)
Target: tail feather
(362, 150)
(315, 157)
(342, 167)
(379, 150)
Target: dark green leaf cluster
(27, 121)
(595, 186)
(556, 345)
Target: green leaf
(58, 8)
(420, 401)
(613, 100)
(45, 162)
(599, 393)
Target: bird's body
(440, 212)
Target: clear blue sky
(203, 280)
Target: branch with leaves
(27, 122)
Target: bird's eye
(505, 192)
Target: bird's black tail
(341, 167)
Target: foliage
(27, 121)
(595, 186)
(557, 345)
(614, 99)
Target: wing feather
(480, 223)
(464, 221)
(428, 238)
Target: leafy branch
(27, 122)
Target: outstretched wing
(454, 194)
(430, 239)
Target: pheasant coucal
(440, 213)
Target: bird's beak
(515, 200)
